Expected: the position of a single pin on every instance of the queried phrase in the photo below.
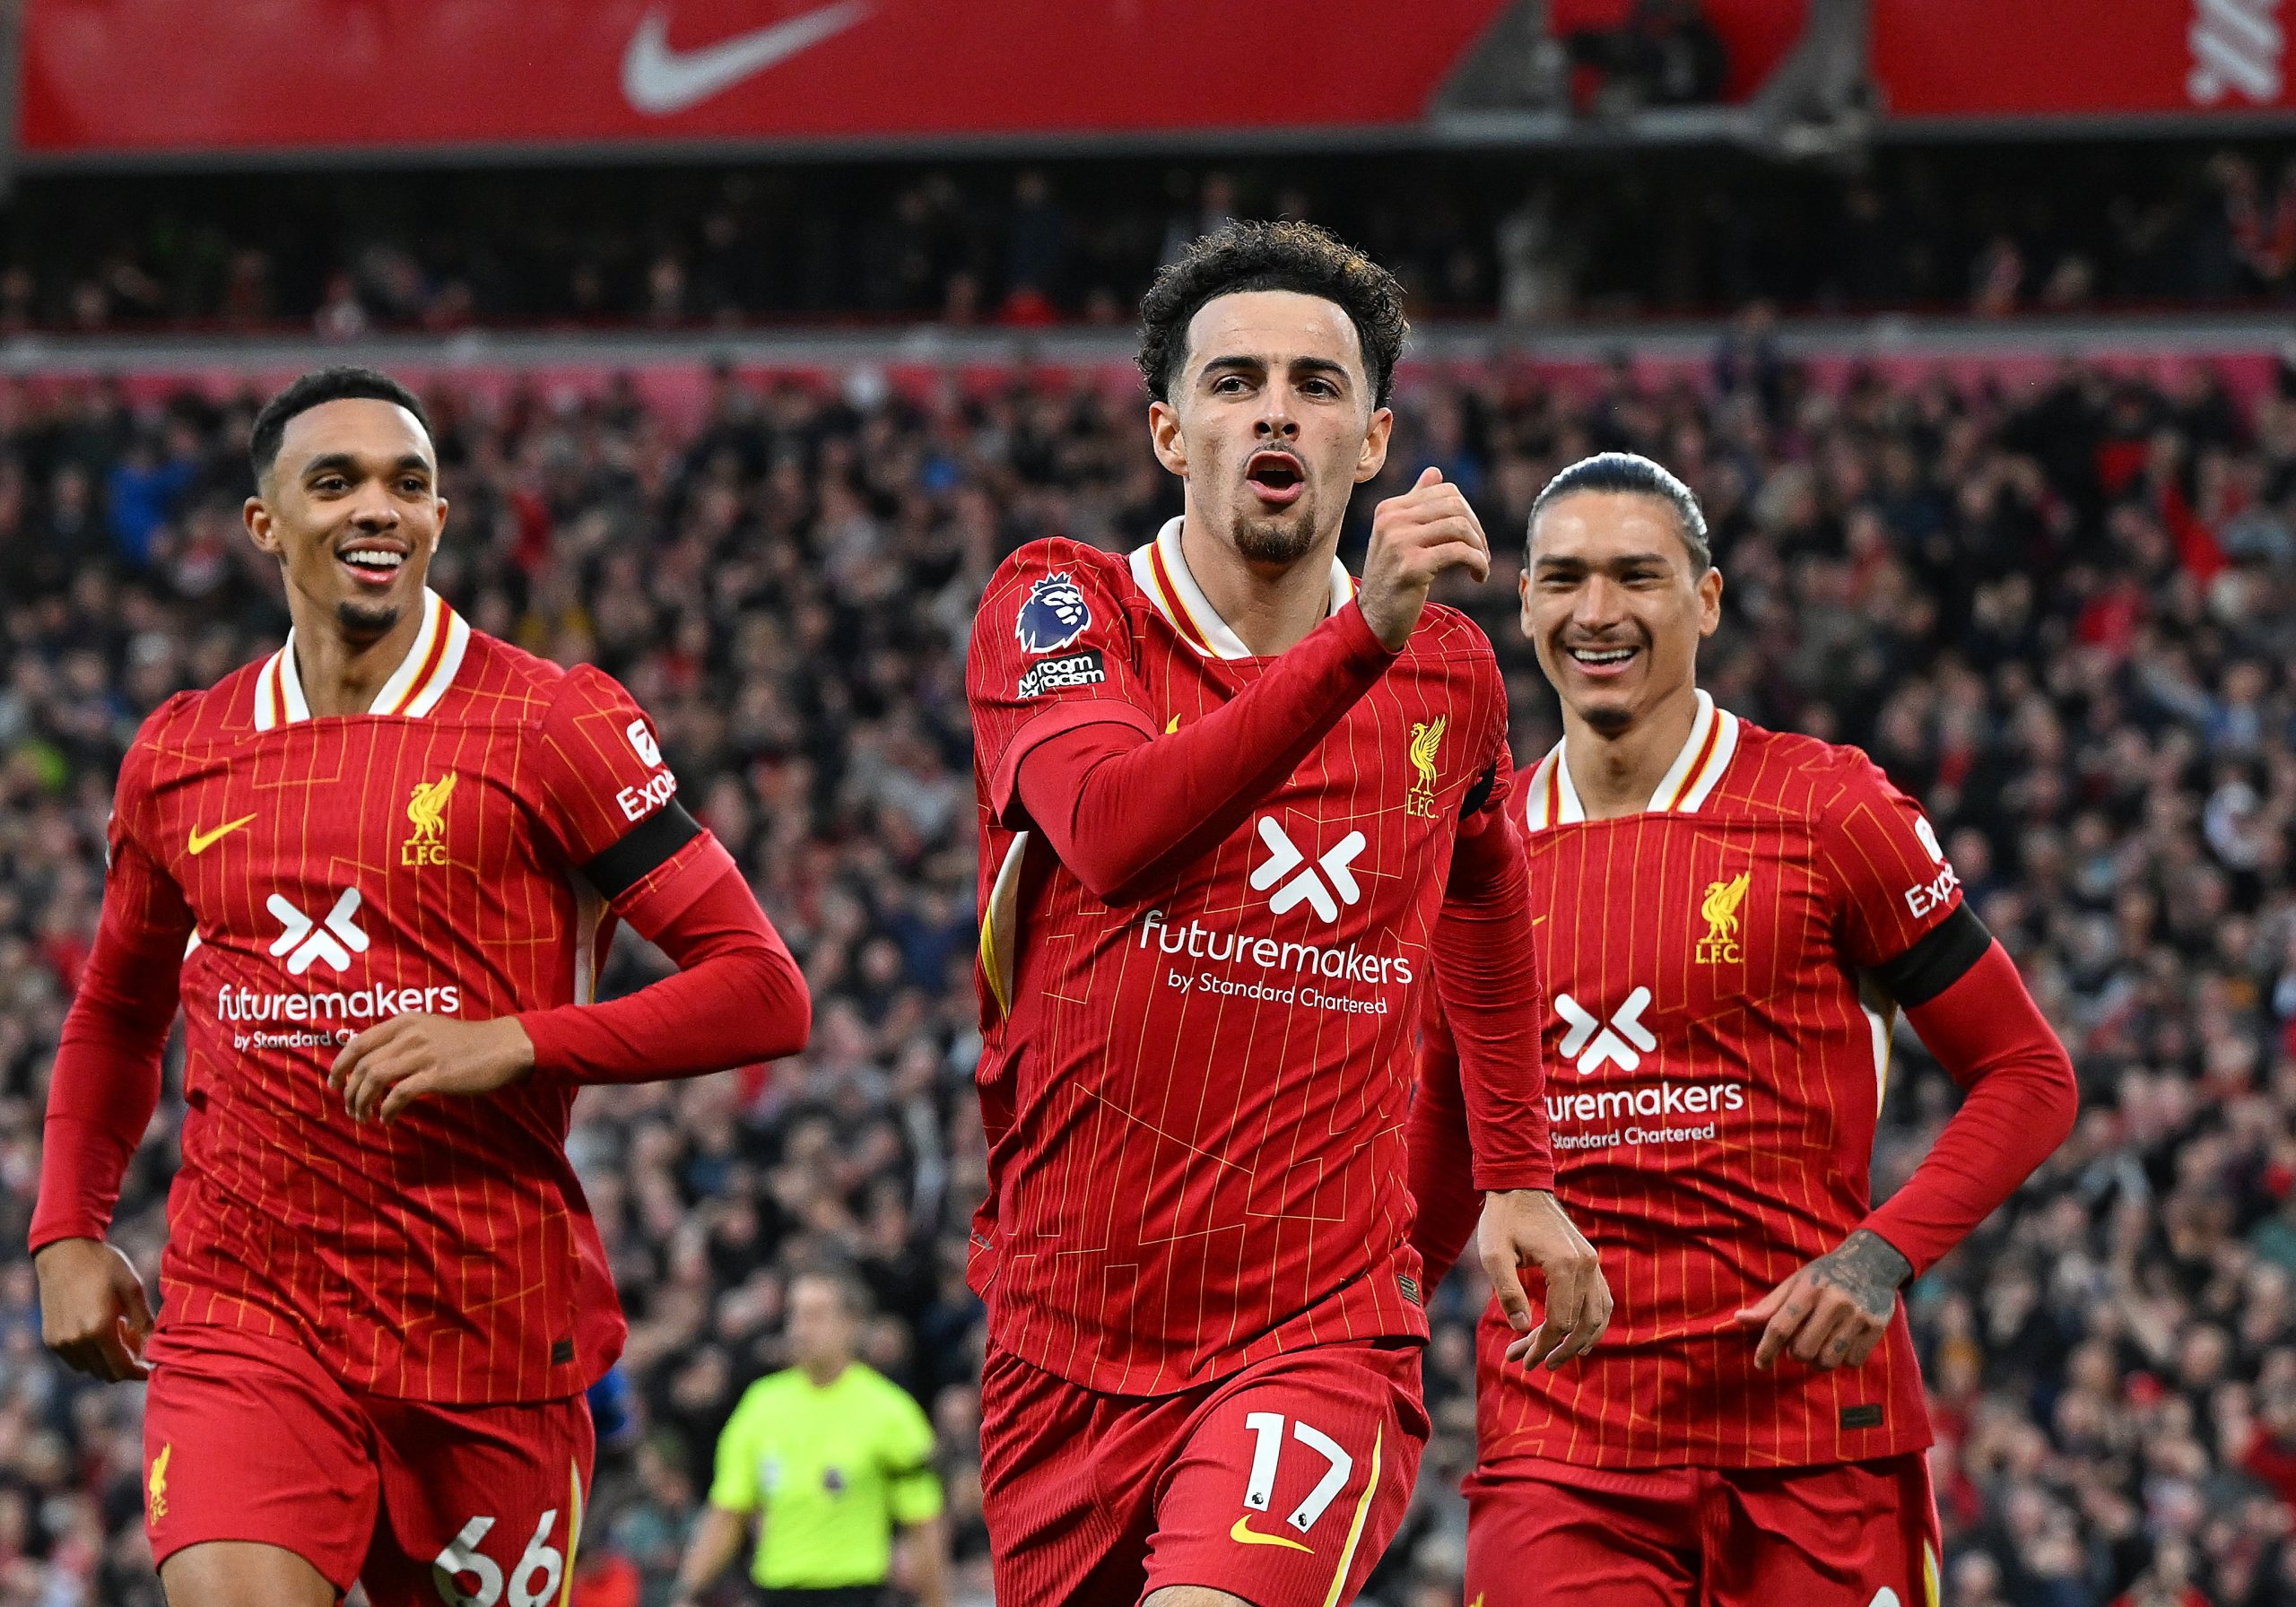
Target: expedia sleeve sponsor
(1059, 674)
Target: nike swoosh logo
(201, 841)
(659, 81)
(1243, 1533)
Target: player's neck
(821, 1375)
(341, 675)
(1270, 610)
(1616, 776)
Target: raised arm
(1119, 804)
(1082, 754)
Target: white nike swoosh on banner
(658, 81)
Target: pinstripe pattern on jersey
(1689, 1231)
(448, 1256)
(1183, 1183)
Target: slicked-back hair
(1273, 257)
(339, 384)
(1636, 475)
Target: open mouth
(1603, 662)
(371, 564)
(1275, 477)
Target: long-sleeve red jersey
(1212, 885)
(1723, 969)
(463, 849)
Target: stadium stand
(2064, 617)
(2038, 228)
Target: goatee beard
(1281, 542)
(366, 621)
(1609, 719)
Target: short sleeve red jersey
(327, 874)
(1196, 1096)
(1718, 1058)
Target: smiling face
(1614, 606)
(352, 510)
(1271, 422)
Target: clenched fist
(1415, 537)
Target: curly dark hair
(338, 383)
(1273, 257)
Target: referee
(827, 1458)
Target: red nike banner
(300, 75)
(2075, 57)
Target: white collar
(1160, 570)
(1550, 799)
(413, 691)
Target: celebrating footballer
(1727, 920)
(1238, 809)
(377, 869)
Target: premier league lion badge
(1053, 615)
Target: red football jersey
(1719, 1061)
(1196, 1101)
(330, 873)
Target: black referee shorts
(844, 1596)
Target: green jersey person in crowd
(828, 1459)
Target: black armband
(1942, 957)
(1479, 794)
(642, 850)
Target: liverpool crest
(1419, 800)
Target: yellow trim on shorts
(573, 1529)
(1355, 1529)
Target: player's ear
(1164, 434)
(1709, 601)
(1373, 457)
(439, 528)
(257, 516)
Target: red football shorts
(1546, 1533)
(1282, 1483)
(249, 1438)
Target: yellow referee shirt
(832, 1470)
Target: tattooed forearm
(1865, 1269)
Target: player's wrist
(1876, 1259)
(513, 1047)
(1367, 637)
(1513, 1181)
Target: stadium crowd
(2064, 618)
(1984, 227)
